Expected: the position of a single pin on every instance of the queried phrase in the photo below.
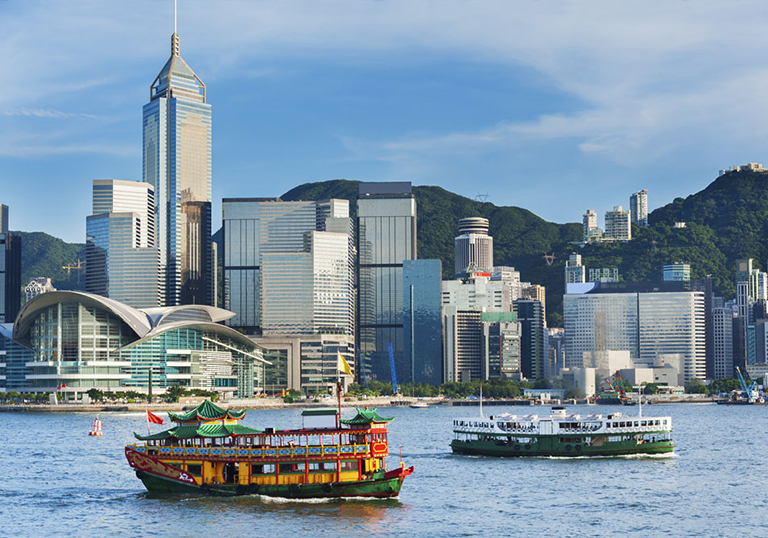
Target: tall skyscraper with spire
(177, 163)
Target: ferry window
(289, 468)
(643, 423)
(329, 466)
(314, 466)
(269, 469)
(257, 469)
(195, 470)
(349, 465)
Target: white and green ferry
(562, 435)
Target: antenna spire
(175, 11)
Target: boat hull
(158, 477)
(554, 449)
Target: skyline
(593, 101)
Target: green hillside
(44, 255)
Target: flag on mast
(342, 365)
(153, 418)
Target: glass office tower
(422, 359)
(121, 256)
(177, 163)
(386, 216)
(10, 270)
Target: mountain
(43, 255)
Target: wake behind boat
(210, 452)
(562, 435)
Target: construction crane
(70, 266)
(750, 392)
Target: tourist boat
(96, 428)
(209, 451)
(419, 405)
(562, 435)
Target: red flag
(154, 419)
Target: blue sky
(554, 106)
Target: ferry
(208, 451)
(562, 435)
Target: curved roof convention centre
(146, 323)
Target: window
(195, 470)
(350, 465)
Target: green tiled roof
(207, 411)
(367, 416)
(208, 430)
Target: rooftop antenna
(175, 9)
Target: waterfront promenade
(278, 403)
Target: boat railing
(265, 452)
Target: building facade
(81, 341)
(574, 271)
(386, 237)
(422, 324)
(638, 207)
(10, 276)
(618, 225)
(676, 272)
(177, 163)
(121, 255)
(648, 320)
(473, 246)
(37, 286)
(590, 230)
(534, 345)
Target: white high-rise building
(122, 259)
(638, 206)
(473, 246)
(617, 224)
(647, 321)
(589, 224)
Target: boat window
(257, 469)
(349, 465)
(314, 466)
(195, 470)
(289, 468)
(643, 423)
(269, 468)
(329, 466)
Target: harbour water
(55, 480)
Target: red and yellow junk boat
(209, 451)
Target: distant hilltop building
(617, 224)
(590, 230)
(474, 247)
(749, 167)
(574, 271)
(37, 286)
(638, 208)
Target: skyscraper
(534, 346)
(177, 163)
(386, 214)
(638, 207)
(121, 256)
(268, 235)
(423, 354)
(10, 270)
(473, 246)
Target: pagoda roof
(205, 430)
(207, 411)
(367, 416)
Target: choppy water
(55, 480)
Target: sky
(553, 106)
